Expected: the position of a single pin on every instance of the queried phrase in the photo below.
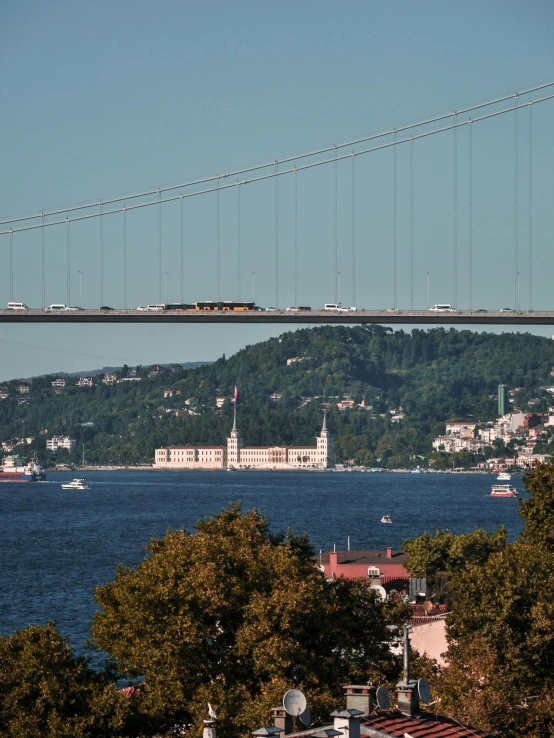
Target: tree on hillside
(500, 675)
(46, 692)
(236, 616)
(441, 556)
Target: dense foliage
(500, 674)
(235, 616)
(45, 691)
(426, 376)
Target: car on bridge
(442, 308)
(56, 307)
(17, 306)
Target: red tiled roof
(426, 725)
(366, 557)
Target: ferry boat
(504, 477)
(15, 470)
(386, 518)
(503, 490)
(77, 483)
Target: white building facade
(235, 455)
(56, 442)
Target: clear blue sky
(106, 98)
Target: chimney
(389, 552)
(333, 561)
(408, 697)
(361, 697)
(282, 720)
(347, 722)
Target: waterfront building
(56, 442)
(235, 455)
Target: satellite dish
(424, 690)
(383, 699)
(306, 718)
(294, 702)
(381, 591)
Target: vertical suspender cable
(455, 209)
(43, 264)
(470, 218)
(394, 222)
(335, 224)
(276, 184)
(353, 229)
(411, 223)
(159, 245)
(530, 206)
(11, 265)
(182, 251)
(295, 237)
(218, 244)
(101, 254)
(516, 203)
(68, 260)
(238, 243)
(125, 257)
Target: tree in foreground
(46, 692)
(235, 616)
(500, 675)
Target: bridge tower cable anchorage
(239, 290)
(295, 237)
(43, 263)
(159, 245)
(353, 228)
(282, 172)
(530, 234)
(335, 220)
(218, 243)
(455, 210)
(182, 280)
(276, 234)
(470, 214)
(68, 260)
(307, 154)
(394, 223)
(124, 257)
(412, 224)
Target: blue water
(57, 545)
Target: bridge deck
(387, 317)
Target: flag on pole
(236, 392)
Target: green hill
(426, 376)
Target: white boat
(77, 483)
(386, 518)
(504, 477)
(503, 490)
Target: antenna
(381, 591)
(294, 702)
(423, 690)
(383, 698)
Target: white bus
(17, 306)
(442, 308)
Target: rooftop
(366, 557)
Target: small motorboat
(77, 483)
(386, 518)
(503, 490)
(504, 477)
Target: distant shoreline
(349, 470)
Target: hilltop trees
(234, 615)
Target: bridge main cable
(287, 160)
(283, 172)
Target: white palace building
(237, 456)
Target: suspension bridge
(202, 235)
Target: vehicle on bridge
(17, 306)
(226, 305)
(56, 307)
(442, 308)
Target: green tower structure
(502, 399)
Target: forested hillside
(403, 385)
